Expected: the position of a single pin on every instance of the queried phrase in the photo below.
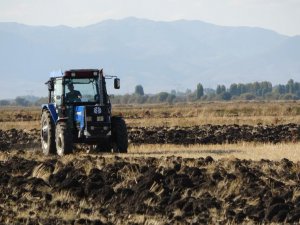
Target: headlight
(100, 118)
(89, 119)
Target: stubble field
(227, 163)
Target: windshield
(81, 90)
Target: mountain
(159, 55)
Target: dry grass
(252, 151)
(249, 151)
(210, 119)
(250, 113)
(218, 109)
(20, 125)
(19, 113)
(189, 114)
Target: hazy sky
(282, 16)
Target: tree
(225, 96)
(125, 99)
(256, 89)
(21, 101)
(188, 91)
(297, 89)
(242, 88)
(266, 87)
(173, 92)
(290, 86)
(199, 91)
(162, 96)
(289, 96)
(171, 98)
(234, 90)
(4, 102)
(220, 89)
(279, 89)
(139, 90)
(247, 96)
(40, 101)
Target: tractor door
(58, 92)
(58, 97)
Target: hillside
(177, 55)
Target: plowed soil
(215, 134)
(207, 134)
(93, 189)
(123, 189)
(19, 139)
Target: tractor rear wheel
(119, 135)
(63, 139)
(47, 133)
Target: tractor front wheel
(63, 139)
(47, 133)
(119, 135)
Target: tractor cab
(83, 86)
(78, 100)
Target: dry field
(208, 163)
(216, 113)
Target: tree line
(236, 91)
(25, 101)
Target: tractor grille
(97, 121)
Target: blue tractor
(79, 111)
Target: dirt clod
(134, 190)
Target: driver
(73, 95)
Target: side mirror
(117, 83)
(50, 85)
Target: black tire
(119, 135)
(63, 139)
(47, 133)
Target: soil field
(207, 134)
(168, 176)
(216, 113)
(93, 189)
(126, 189)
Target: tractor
(79, 111)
